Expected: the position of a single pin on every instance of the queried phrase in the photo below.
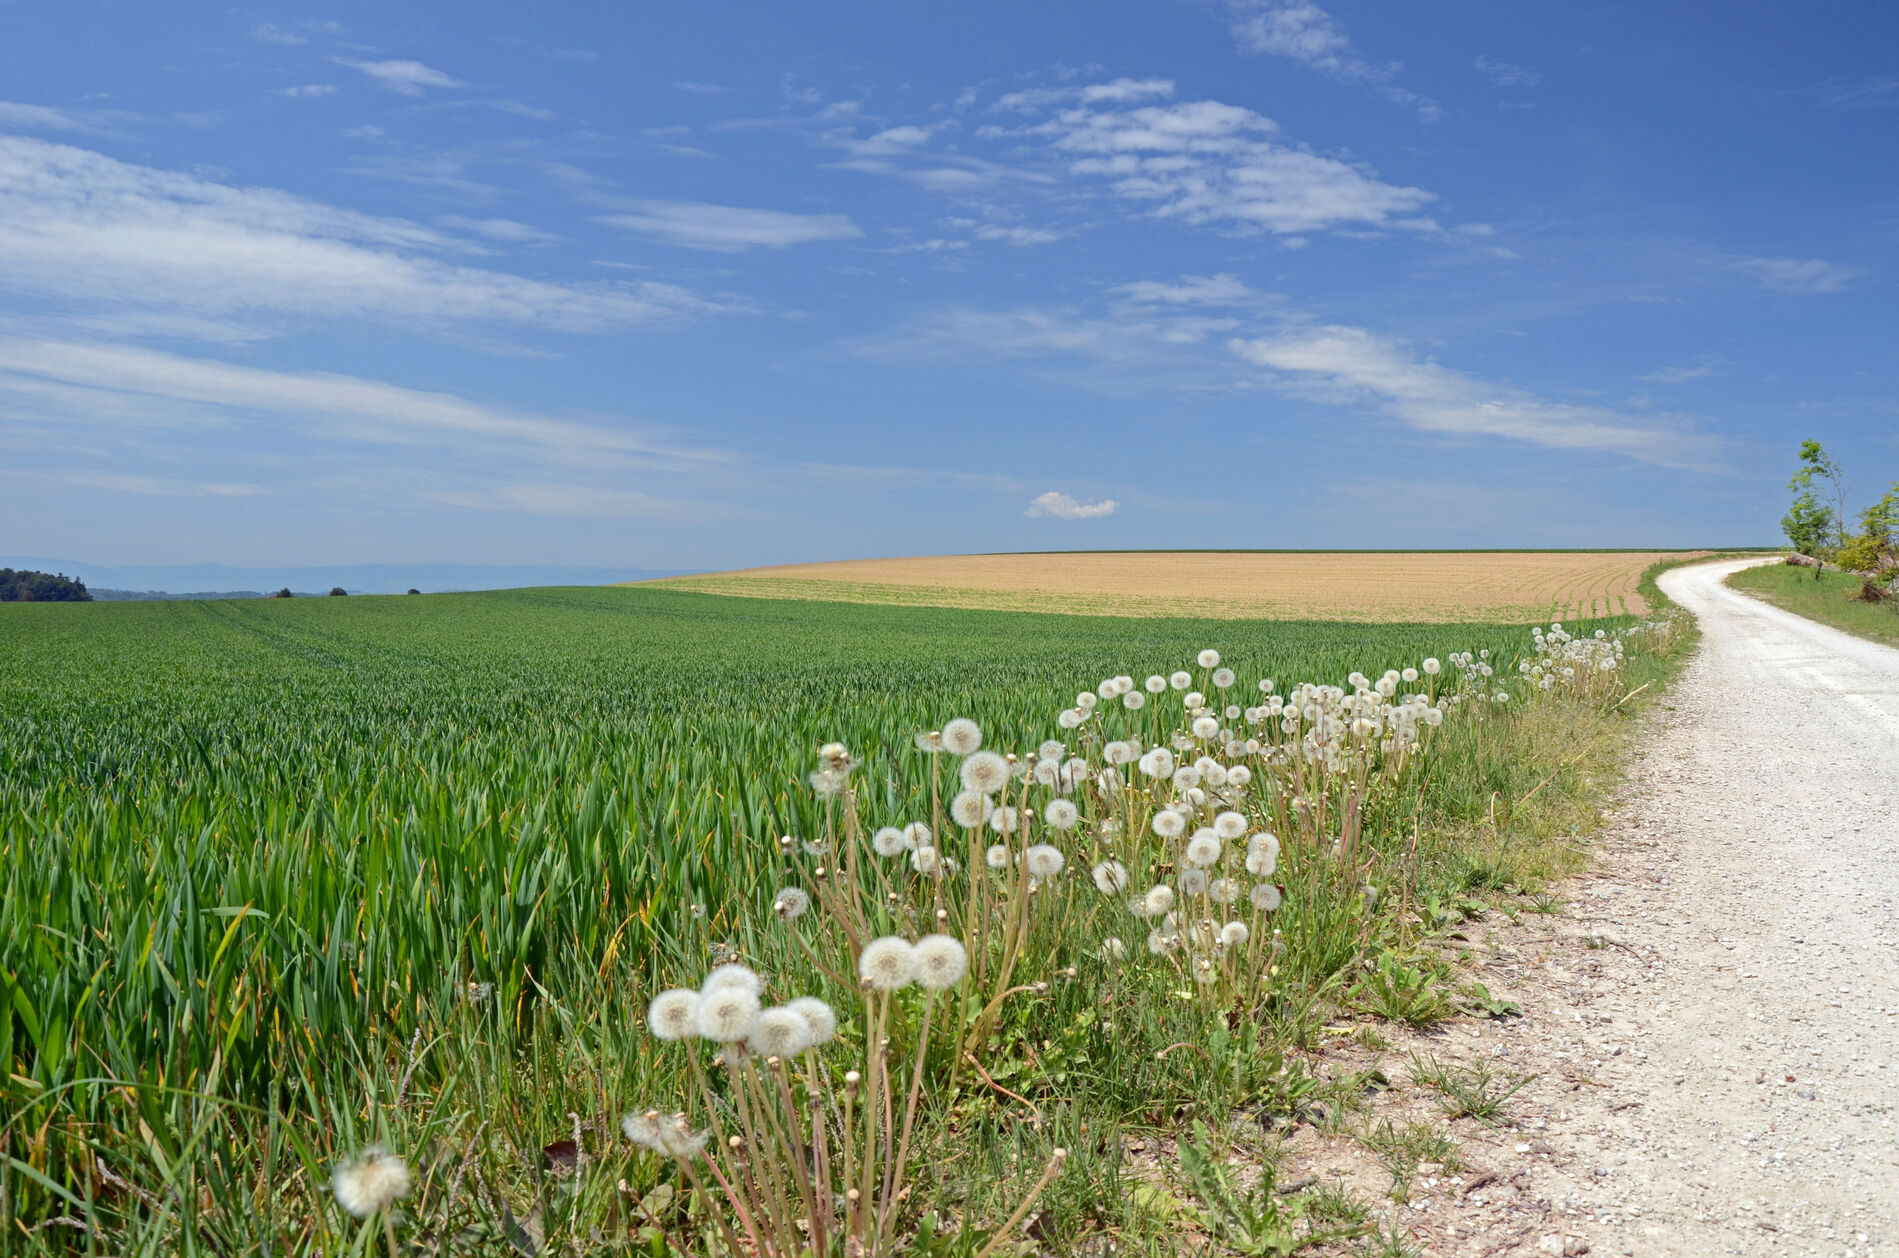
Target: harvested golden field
(1436, 586)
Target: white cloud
(1504, 74)
(504, 230)
(1208, 162)
(266, 33)
(1347, 365)
(1060, 506)
(1303, 32)
(41, 117)
(97, 383)
(1190, 290)
(701, 89)
(409, 78)
(306, 91)
(161, 486)
(520, 110)
(79, 226)
(1018, 235)
(729, 228)
(1709, 365)
(1794, 275)
(1119, 92)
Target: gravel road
(1738, 1030)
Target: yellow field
(1365, 586)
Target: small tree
(1876, 548)
(1810, 524)
(284, 593)
(337, 591)
(414, 591)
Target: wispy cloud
(521, 110)
(1794, 275)
(1059, 506)
(408, 78)
(79, 226)
(502, 230)
(1881, 92)
(1707, 367)
(1206, 162)
(150, 388)
(1505, 74)
(1303, 32)
(306, 91)
(161, 486)
(701, 89)
(1347, 365)
(729, 228)
(598, 502)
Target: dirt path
(1714, 1023)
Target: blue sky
(720, 284)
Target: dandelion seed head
(1204, 848)
(779, 1032)
(970, 809)
(726, 1014)
(917, 834)
(890, 841)
(1224, 678)
(673, 1015)
(1169, 824)
(997, 857)
(1239, 775)
(734, 975)
(1134, 701)
(1043, 861)
(1223, 891)
(1233, 934)
(962, 737)
(985, 772)
(926, 861)
(643, 1130)
(941, 962)
(1004, 820)
(1158, 763)
(930, 741)
(1111, 877)
(790, 903)
(1113, 950)
(887, 964)
(1194, 880)
(1209, 658)
(1266, 897)
(1229, 825)
(1155, 684)
(1205, 727)
(818, 1016)
(679, 1139)
(373, 1180)
(1186, 778)
(1159, 900)
(1432, 667)
(1061, 814)
(1086, 700)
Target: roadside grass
(286, 880)
(1833, 599)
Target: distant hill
(191, 580)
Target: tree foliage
(27, 586)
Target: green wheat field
(283, 880)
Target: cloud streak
(1347, 365)
(81, 227)
(729, 228)
(406, 78)
(1794, 275)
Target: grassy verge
(286, 880)
(1833, 599)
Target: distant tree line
(26, 586)
(1816, 523)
